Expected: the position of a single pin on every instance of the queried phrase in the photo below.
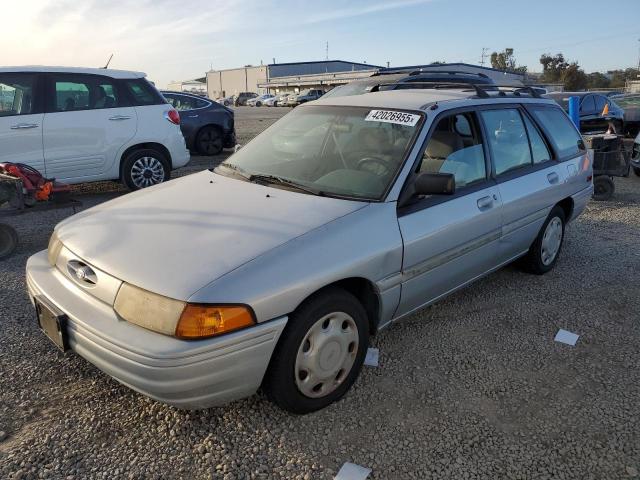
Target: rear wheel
(145, 168)
(545, 250)
(636, 170)
(209, 141)
(603, 187)
(320, 353)
(8, 240)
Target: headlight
(55, 245)
(180, 319)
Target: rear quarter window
(561, 132)
(143, 93)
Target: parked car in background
(308, 95)
(630, 104)
(207, 126)
(259, 101)
(592, 106)
(635, 156)
(226, 101)
(89, 124)
(241, 98)
(275, 268)
(398, 80)
(289, 100)
(276, 100)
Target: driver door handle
(485, 203)
(23, 126)
(119, 117)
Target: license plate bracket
(52, 322)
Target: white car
(258, 101)
(89, 124)
(275, 100)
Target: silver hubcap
(326, 355)
(551, 240)
(147, 171)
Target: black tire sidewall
(608, 192)
(535, 257)
(8, 240)
(636, 170)
(128, 162)
(204, 130)
(280, 384)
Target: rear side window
(507, 138)
(16, 94)
(143, 93)
(560, 131)
(539, 148)
(83, 92)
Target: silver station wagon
(274, 269)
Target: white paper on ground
(564, 336)
(351, 471)
(372, 357)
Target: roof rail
(421, 71)
(437, 85)
(482, 90)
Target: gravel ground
(471, 388)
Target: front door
(85, 127)
(20, 120)
(450, 240)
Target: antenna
(326, 57)
(108, 62)
(483, 55)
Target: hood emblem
(82, 273)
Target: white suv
(88, 124)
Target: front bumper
(185, 374)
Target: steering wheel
(387, 168)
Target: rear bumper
(580, 201)
(185, 374)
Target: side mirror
(435, 184)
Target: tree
(506, 62)
(553, 67)
(597, 80)
(574, 78)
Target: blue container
(574, 111)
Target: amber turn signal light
(201, 321)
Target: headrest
(442, 144)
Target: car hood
(175, 238)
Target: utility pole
(483, 55)
(326, 56)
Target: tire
(536, 261)
(8, 240)
(292, 387)
(258, 104)
(603, 188)
(209, 141)
(144, 168)
(636, 170)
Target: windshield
(632, 101)
(351, 152)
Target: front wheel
(209, 141)
(320, 353)
(8, 240)
(145, 168)
(545, 250)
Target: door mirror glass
(435, 184)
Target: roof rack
(482, 90)
(421, 71)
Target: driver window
(455, 146)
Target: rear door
(87, 122)
(450, 240)
(21, 120)
(528, 178)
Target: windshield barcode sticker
(389, 116)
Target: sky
(182, 39)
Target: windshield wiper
(237, 170)
(276, 180)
